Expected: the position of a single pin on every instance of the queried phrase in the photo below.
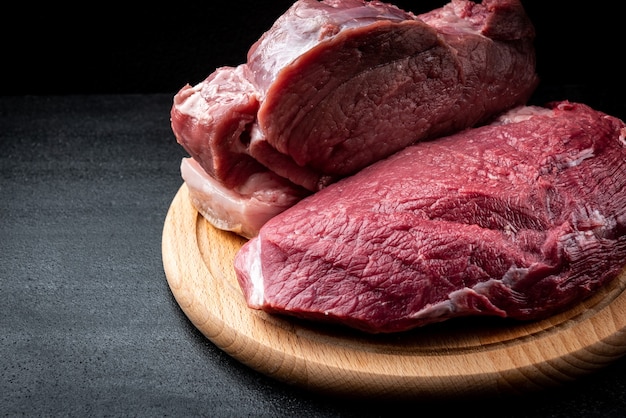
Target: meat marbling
(520, 219)
(335, 85)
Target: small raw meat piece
(336, 85)
(244, 209)
(520, 219)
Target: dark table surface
(88, 324)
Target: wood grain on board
(450, 359)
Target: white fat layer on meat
(194, 105)
(582, 155)
(226, 85)
(257, 293)
(521, 114)
(622, 136)
(243, 210)
(448, 308)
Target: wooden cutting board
(457, 358)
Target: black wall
(115, 48)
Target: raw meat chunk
(520, 219)
(336, 85)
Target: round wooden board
(450, 359)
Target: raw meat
(336, 85)
(520, 219)
(244, 208)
